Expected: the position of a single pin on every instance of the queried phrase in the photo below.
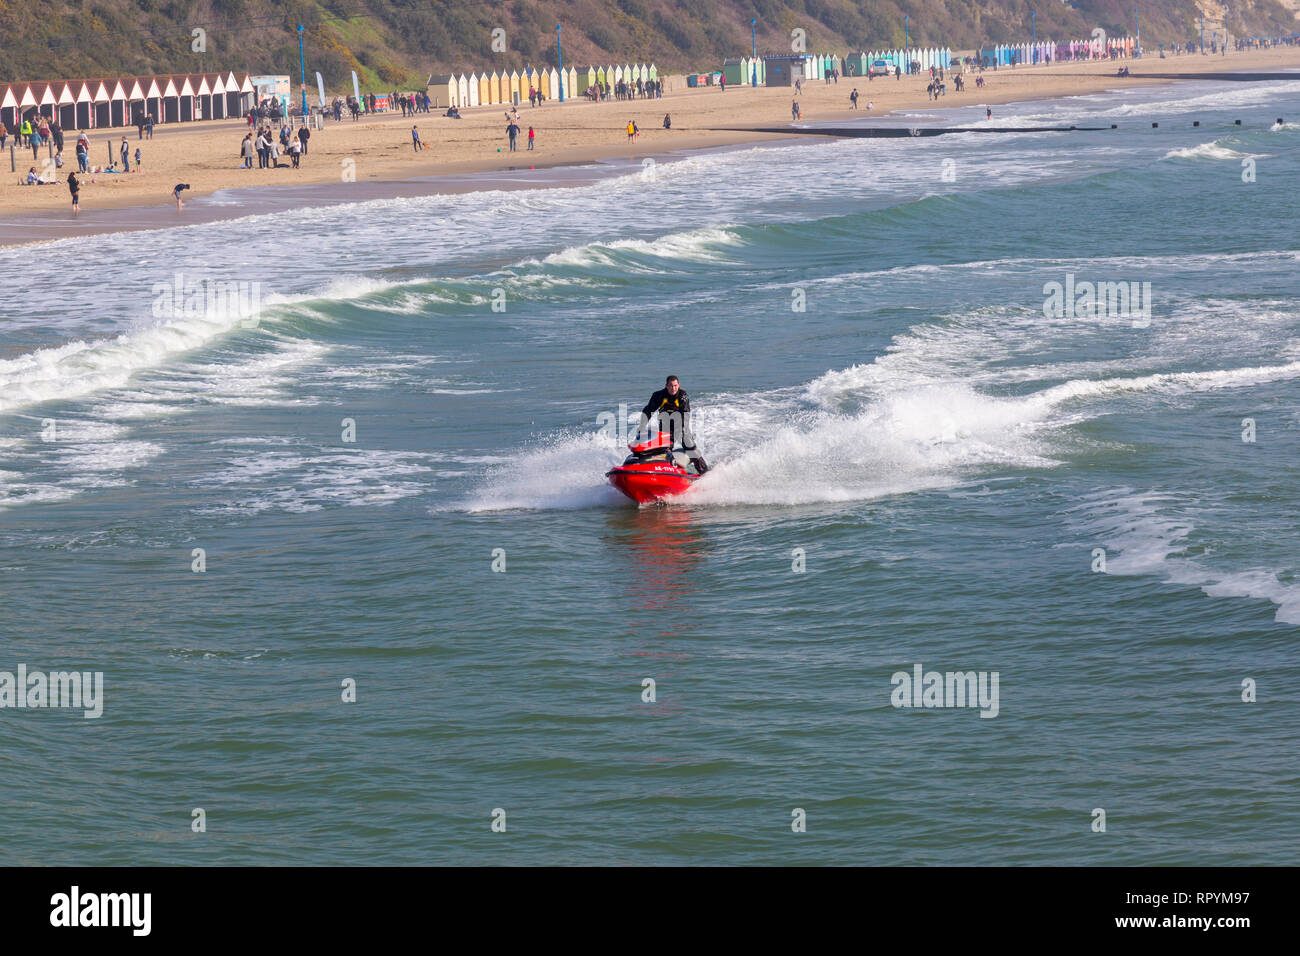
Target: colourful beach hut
(49, 100)
(219, 98)
(83, 109)
(494, 88)
(65, 99)
(203, 97)
(185, 99)
(230, 83)
(8, 105)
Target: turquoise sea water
(942, 457)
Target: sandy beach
(371, 157)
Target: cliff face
(399, 42)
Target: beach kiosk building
(782, 70)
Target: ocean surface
(237, 520)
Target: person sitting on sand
(668, 121)
(32, 178)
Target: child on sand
(74, 187)
(531, 136)
(176, 191)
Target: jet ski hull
(645, 482)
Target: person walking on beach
(83, 151)
(795, 112)
(631, 130)
(853, 99)
(304, 134)
(176, 192)
(531, 136)
(74, 187)
(246, 152)
(513, 131)
(138, 164)
(415, 139)
(126, 156)
(295, 151)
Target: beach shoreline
(351, 162)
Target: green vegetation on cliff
(399, 42)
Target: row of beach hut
(485, 89)
(127, 100)
(1049, 52)
(861, 62)
(746, 71)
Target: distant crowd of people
(268, 146)
(601, 91)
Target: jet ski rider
(673, 406)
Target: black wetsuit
(675, 418)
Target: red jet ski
(652, 471)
